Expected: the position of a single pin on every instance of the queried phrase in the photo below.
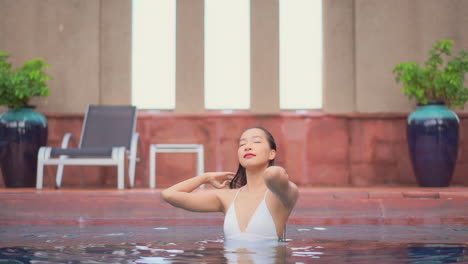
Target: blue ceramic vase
(432, 133)
(22, 132)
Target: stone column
(264, 45)
(190, 95)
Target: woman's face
(254, 149)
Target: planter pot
(432, 133)
(22, 133)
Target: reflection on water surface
(190, 244)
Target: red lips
(249, 155)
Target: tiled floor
(325, 206)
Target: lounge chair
(108, 135)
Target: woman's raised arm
(277, 180)
(180, 195)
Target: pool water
(205, 244)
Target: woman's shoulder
(226, 196)
(226, 193)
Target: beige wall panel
(385, 35)
(2, 24)
(66, 34)
(88, 44)
(115, 52)
(264, 25)
(19, 30)
(338, 56)
(389, 32)
(444, 19)
(190, 96)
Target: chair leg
(121, 168)
(200, 162)
(133, 158)
(58, 177)
(131, 170)
(152, 172)
(40, 169)
(40, 175)
(120, 175)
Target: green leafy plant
(17, 86)
(439, 80)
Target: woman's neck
(255, 180)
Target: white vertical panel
(227, 54)
(153, 53)
(300, 54)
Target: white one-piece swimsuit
(260, 227)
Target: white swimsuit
(260, 227)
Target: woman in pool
(260, 197)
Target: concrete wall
(190, 41)
(88, 44)
(365, 39)
(315, 149)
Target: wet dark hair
(240, 179)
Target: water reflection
(435, 254)
(233, 252)
(245, 252)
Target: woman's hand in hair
(219, 179)
(181, 195)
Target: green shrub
(17, 86)
(438, 80)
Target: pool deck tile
(340, 205)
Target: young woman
(260, 198)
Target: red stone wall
(316, 149)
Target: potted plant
(22, 129)
(432, 130)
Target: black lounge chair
(108, 135)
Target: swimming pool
(166, 243)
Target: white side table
(174, 148)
